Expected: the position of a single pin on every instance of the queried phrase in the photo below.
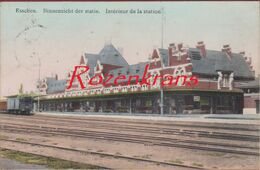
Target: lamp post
(39, 79)
(161, 102)
(162, 39)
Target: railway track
(75, 119)
(155, 130)
(104, 154)
(171, 138)
(141, 139)
(40, 124)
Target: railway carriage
(17, 104)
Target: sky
(57, 41)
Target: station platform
(210, 118)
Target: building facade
(251, 91)
(217, 73)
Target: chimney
(172, 46)
(201, 46)
(226, 48)
(172, 49)
(249, 61)
(180, 46)
(243, 53)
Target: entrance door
(179, 104)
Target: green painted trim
(24, 95)
(144, 92)
(104, 95)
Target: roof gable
(108, 55)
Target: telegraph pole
(161, 88)
(39, 79)
(0, 74)
(162, 27)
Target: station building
(219, 73)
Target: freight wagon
(17, 104)
(3, 105)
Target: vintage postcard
(129, 85)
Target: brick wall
(249, 102)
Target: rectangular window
(188, 100)
(225, 80)
(148, 103)
(204, 100)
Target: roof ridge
(212, 50)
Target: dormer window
(225, 80)
(195, 55)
